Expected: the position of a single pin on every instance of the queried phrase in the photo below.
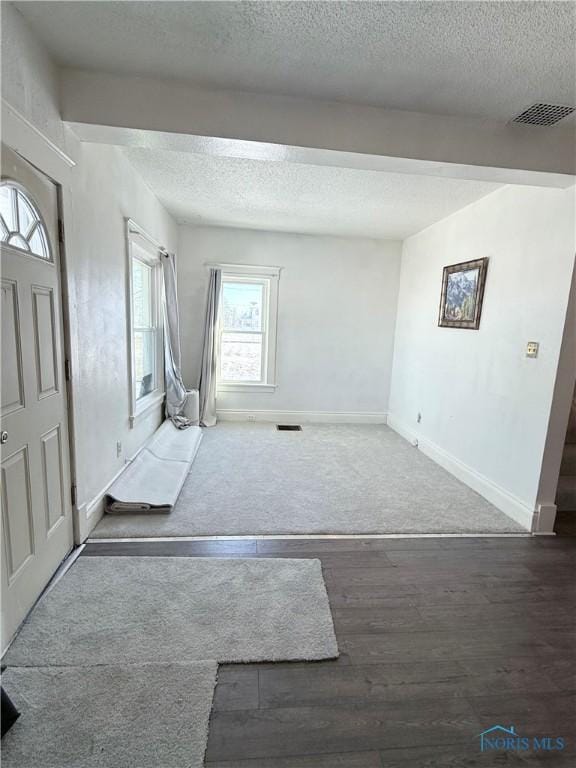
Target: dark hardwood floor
(565, 524)
(440, 639)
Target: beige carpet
(251, 479)
(120, 716)
(116, 665)
(133, 610)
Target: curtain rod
(161, 248)
(136, 229)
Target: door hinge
(68, 370)
(60, 231)
(73, 495)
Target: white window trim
(271, 276)
(150, 252)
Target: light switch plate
(532, 349)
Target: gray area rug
(251, 479)
(135, 716)
(110, 669)
(133, 610)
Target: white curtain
(207, 385)
(175, 388)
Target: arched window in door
(21, 224)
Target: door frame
(46, 157)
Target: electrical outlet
(118, 449)
(251, 417)
(532, 349)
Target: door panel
(52, 476)
(45, 337)
(36, 508)
(17, 510)
(12, 377)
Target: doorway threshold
(294, 536)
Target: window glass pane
(144, 367)
(18, 242)
(141, 294)
(7, 207)
(29, 234)
(242, 306)
(241, 357)
(38, 243)
(26, 215)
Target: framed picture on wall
(462, 294)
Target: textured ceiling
(290, 197)
(490, 59)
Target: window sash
(238, 333)
(263, 333)
(143, 253)
(152, 298)
(262, 378)
(261, 284)
(149, 333)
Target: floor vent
(543, 114)
(289, 427)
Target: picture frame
(463, 294)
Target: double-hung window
(146, 328)
(248, 310)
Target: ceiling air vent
(543, 114)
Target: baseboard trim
(402, 429)
(502, 499)
(91, 512)
(545, 519)
(302, 417)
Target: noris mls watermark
(501, 738)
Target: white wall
(336, 315)
(485, 407)
(99, 189)
(29, 77)
(105, 189)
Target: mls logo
(499, 737)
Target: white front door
(36, 505)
